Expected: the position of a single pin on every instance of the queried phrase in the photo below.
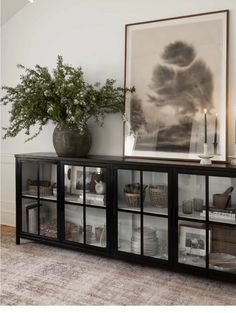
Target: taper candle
(205, 125)
(235, 129)
(216, 126)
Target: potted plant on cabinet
(67, 100)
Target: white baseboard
(8, 215)
(7, 192)
(7, 158)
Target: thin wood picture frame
(179, 67)
(193, 240)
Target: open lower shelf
(93, 242)
(194, 261)
(200, 262)
(148, 208)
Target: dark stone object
(42, 183)
(71, 142)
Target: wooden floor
(8, 229)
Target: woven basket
(158, 196)
(133, 199)
(43, 191)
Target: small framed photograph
(193, 240)
(67, 178)
(77, 180)
(53, 178)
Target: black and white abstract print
(178, 71)
(184, 84)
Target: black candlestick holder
(215, 146)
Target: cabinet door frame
(108, 208)
(190, 268)
(19, 174)
(140, 257)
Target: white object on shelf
(220, 215)
(233, 157)
(150, 241)
(233, 160)
(100, 187)
(205, 157)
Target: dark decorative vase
(70, 142)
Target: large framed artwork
(178, 67)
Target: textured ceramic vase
(71, 142)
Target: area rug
(36, 274)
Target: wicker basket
(43, 191)
(133, 199)
(158, 196)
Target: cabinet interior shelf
(93, 243)
(165, 216)
(69, 199)
(46, 198)
(86, 205)
(195, 216)
(147, 208)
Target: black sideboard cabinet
(182, 218)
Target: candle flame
(205, 111)
(216, 114)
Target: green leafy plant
(62, 96)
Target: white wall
(89, 33)
(10, 8)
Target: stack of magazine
(227, 215)
(93, 198)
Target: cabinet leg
(17, 240)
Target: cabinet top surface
(123, 160)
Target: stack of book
(93, 198)
(227, 215)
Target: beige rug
(36, 274)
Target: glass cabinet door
(192, 239)
(222, 199)
(222, 213)
(85, 205)
(207, 223)
(39, 198)
(142, 217)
